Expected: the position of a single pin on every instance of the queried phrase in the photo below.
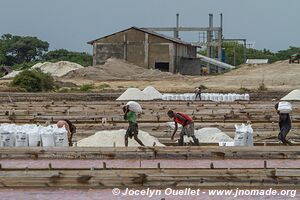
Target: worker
(187, 126)
(285, 126)
(132, 129)
(70, 127)
(198, 93)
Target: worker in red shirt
(187, 126)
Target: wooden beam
(185, 152)
(149, 177)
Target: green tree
(285, 54)
(232, 48)
(17, 49)
(33, 81)
(81, 58)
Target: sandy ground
(277, 76)
(120, 75)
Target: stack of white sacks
(32, 135)
(207, 97)
(243, 135)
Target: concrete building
(147, 49)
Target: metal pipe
(177, 26)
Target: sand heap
(116, 137)
(134, 94)
(152, 92)
(58, 69)
(116, 69)
(292, 96)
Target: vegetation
(18, 49)
(81, 58)
(262, 87)
(243, 89)
(249, 53)
(33, 81)
(22, 52)
(86, 87)
(103, 86)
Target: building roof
(257, 61)
(172, 39)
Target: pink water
(278, 163)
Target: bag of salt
(284, 107)
(47, 137)
(6, 139)
(61, 137)
(21, 139)
(243, 135)
(134, 106)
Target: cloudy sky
(69, 24)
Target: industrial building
(147, 49)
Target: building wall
(190, 66)
(140, 48)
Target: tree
(285, 54)
(18, 49)
(33, 81)
(81, 58)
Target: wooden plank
(185, 152)
(287, 172)
(147, 177)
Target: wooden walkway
(150, 177)
(188, 152)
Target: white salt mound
(134, 94)
(210, 135)
(152, 92)
(11, 74)
(108, 138)
(292, 96)
(59, 69)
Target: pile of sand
(58, 69)
(116, 137)
(116, 69)
(134, 94)
(278, 75)
(292, 96)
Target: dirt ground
(277, 76)
(120, 75)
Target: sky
(70, 24)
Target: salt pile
(210, 135)
(59, 69)
(292, 96)
(11, 74)
(152, 92)
(134, 94)
(116, 137)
